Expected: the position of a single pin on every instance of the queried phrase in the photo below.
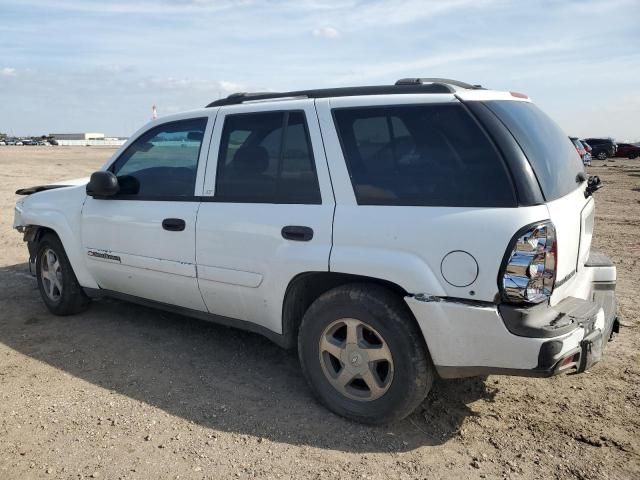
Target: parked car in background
(586, 159)
(579, 147)
(582, 151)
(602, 148)
(628, 150)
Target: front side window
(420, 155)
(163, 162)
(266, 157)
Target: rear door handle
(173, 224)
(297, 233)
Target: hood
(50, 186)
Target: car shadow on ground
(214, 376)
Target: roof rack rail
(242, 97)
(446, 81)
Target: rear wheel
(602, 155)
(633, 156)
(59, 288)
(363, 354)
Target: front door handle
(297, 233)
(173, 224)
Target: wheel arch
(35, 231)
(306, 287)
(33, 235)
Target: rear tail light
(528, 271)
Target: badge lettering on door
(104, 256)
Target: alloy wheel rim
(356, 359)
(51, 275)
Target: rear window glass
(551, 153)
(433, 155)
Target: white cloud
(231, 87)
(8, 72)
(416, 66)
(326, 32)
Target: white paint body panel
(484, 95)
(460, 335)
(155, 264)
(60, 210)
(244, 263)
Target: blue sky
(83, 65)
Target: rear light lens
(528, 273)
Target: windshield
(550, 152)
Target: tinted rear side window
(421, 155)
(552, 155)
(267, 157)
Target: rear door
(560, 173)
(267, 210)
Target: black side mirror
(102, 184)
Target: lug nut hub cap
(356, 359)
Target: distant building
(77, 136)
(87, 139)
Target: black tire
(633, 156)
(386, 312)
(70, 296)
(601, 156)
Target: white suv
(392, 233)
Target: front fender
(61, 211)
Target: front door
(141, 242)
(267, 210)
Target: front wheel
(363, 354)
(57, 283)
(602, 155)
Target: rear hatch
(560, 174)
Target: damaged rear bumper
(467, 339)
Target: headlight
(528, 272)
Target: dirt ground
(124, 391)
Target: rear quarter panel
(406, 245)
